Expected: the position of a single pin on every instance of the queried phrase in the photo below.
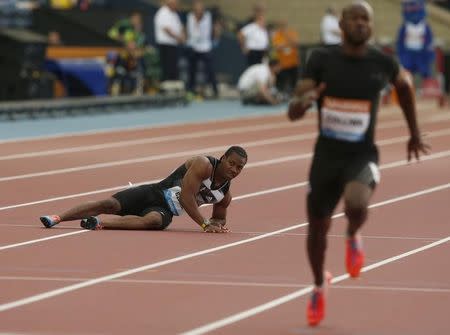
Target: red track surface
(178, 291)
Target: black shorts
(141, 200)
(330, 173)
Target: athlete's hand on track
(222, 223)
(417, 146)
(215, 228)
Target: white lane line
(249, 165)
(21, 244)
(222, 121)
(95, 281)
(154, 281)
(437, 155)
(299, 293)
(405, 238)
(187, 153)
(440, 117)
(437, 133)
(192, 135)
(393, 288)
(252, 233)
(272, 141)
(158, 139)
(244, 196)
(121, 187)
(229, 283)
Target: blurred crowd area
(66, 48)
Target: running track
(254, 280)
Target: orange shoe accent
(316, 307)
(50, 220)
(354, 259)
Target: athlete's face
(356, 24)
(232, 165)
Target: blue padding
(80, 76)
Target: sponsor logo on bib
(204, 196)
(345, 119)
(172, 196)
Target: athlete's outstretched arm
(306, 92)
(219, 212)
(406, 96)
(199, 170)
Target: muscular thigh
(159, 217)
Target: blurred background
(66, 54)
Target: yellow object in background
(63, 4)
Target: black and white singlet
(171, 188)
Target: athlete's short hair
(236, 149)
(357, 3)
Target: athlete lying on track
(200, 180)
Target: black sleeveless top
(171, 188)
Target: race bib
(345, 119)
(204, 196)
(415, 36)
(172, 196)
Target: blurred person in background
(169, 34)
(129, 67)
(254, 40)
(415, 44)
(62, 4)
(54, 38)
(285, 42)
(200, 35)
(258, 9)
(257, 84)
(129, 29)
(330, 32)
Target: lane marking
(158, 139)
(95, 281)
(230, 283)
(21, 244)
(385, 112)
(437, 155)
(437, 133)
(244, 196)
(375, 237)
(121, 187)
(272, 141)
(299, 293)
(192, 135)
(276, 140)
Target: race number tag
(172, 196)
(414, 36)
(345, 119)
